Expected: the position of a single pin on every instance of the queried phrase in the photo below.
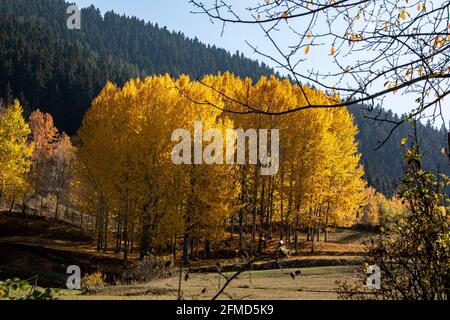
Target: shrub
(148, 270)
(93, 282)
(17, 289)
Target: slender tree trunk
(262, 209)
(206, 249)
(12, 204)
(232, 228)
(281, 206)
(288, 231)
(98, 225)
(57, 206)
(189, 213)
(255, 201)
(125, 240)
(144, 241)
(319, 223)
(186, 241)
(270, 211)
(326, 223)
(254, 224)
(296, 251)
(118, 236)
(241, 231)
(192, 245)
(24, 205)
(174, 247)
(289, 211)
(105, 247)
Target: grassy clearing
(317, 283)
(32, 246)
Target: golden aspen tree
(206, 189)
(15, 151)
(152, 159)
(346, 185)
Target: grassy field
(317, 283)
(31, 246)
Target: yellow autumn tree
(15, 151)
(152, 160)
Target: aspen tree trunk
(66, 212)
(57, 206)
(12, 204)
(174, 247)
(125, 237)
(296, 236)
(232, 228)
(98, 228)
(197, 249)
(254, 224)
(105, 248)
(326, 222)
(281, 206)
(121, 235)
(92, 228)
(288, 230)
(289, 211)
(312, 238)
(189, 211)
(145, 232)
(318, 229)
(263, 228)
(207, 248)
(192, 246)
(241, 231)
(319, 223)
(144, 241)
(24, 205)
(186, 241)
(118, 235)
(270, 212)
(98, 236)
(131, 239)
(309, 224)
(242, 198)
(255, 201)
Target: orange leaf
(307, 49)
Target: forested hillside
(384, 165)
(60, 71)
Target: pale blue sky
(176, 15)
